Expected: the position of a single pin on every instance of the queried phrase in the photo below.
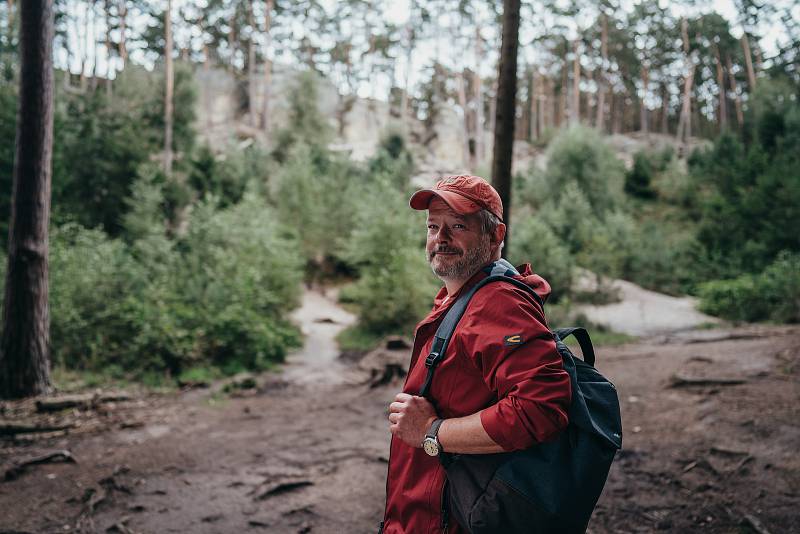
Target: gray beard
(467, 265)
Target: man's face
(455, 246)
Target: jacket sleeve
(504, 335)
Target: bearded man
(501, 385)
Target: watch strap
(433, 431)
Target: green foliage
(580, 156)
(393, 161)
(638, 180)
(751, 205)
(396, 285)
(100, 142)
(320, 197)
(773, 294)
(305, 123)
(217, 296)
(535, 242)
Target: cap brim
(462, 205)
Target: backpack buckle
(431, 360)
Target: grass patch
(358, 338)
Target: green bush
(321, 199)
(396, 285)
(773, 294)
(535, 242)
(638, 180)
(580, 156)
(219, 295)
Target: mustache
(445, 250)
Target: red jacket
(519, 383)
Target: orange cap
(464, 195)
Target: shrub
(638, 180)
(321, 199)
(580, 156)
(217, 296)
(396, 285)
(535, 242)
(773, 294)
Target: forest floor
(710, 420)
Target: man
(501, 385)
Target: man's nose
(443, 234)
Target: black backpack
(551, 487)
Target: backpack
(551, 487)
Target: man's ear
(499, 234)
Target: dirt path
(306, 451)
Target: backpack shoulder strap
(583, 340)
(500, 270)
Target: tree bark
(685, 121)
(723, 108)
(562, 95)
(533, 111)
(169, 76)
(267, 67)
(25, 343)
(575, 107)
(478, 99)
(748, 61)
(123, 25)
(461, 83)
(10, 20)
(251, 67)
(664, 109)
(737, 99)
(599, 121)
(644, 126)
(107, 8)
(505, 114)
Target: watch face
(430, 446)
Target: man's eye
(431, 227)
(459, 226)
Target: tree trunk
(83, 50)
(562, 95)
(506, 102)
(664, 109)
(575, 106)
(737, 99)
(267, 67)
(96, 41)
(533, 110)
(25, 343)
(169, 76)
(109, 68)
(685, 121)
(251, 67)
(10, 20)
(123, 26)
(748, 61)
(643, 101)
(478, 99)
(599, 121)
(461, 83)
(723, 108)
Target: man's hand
(410, 418)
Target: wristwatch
(431, 444)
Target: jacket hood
(534, 281)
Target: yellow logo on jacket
(515, 339)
